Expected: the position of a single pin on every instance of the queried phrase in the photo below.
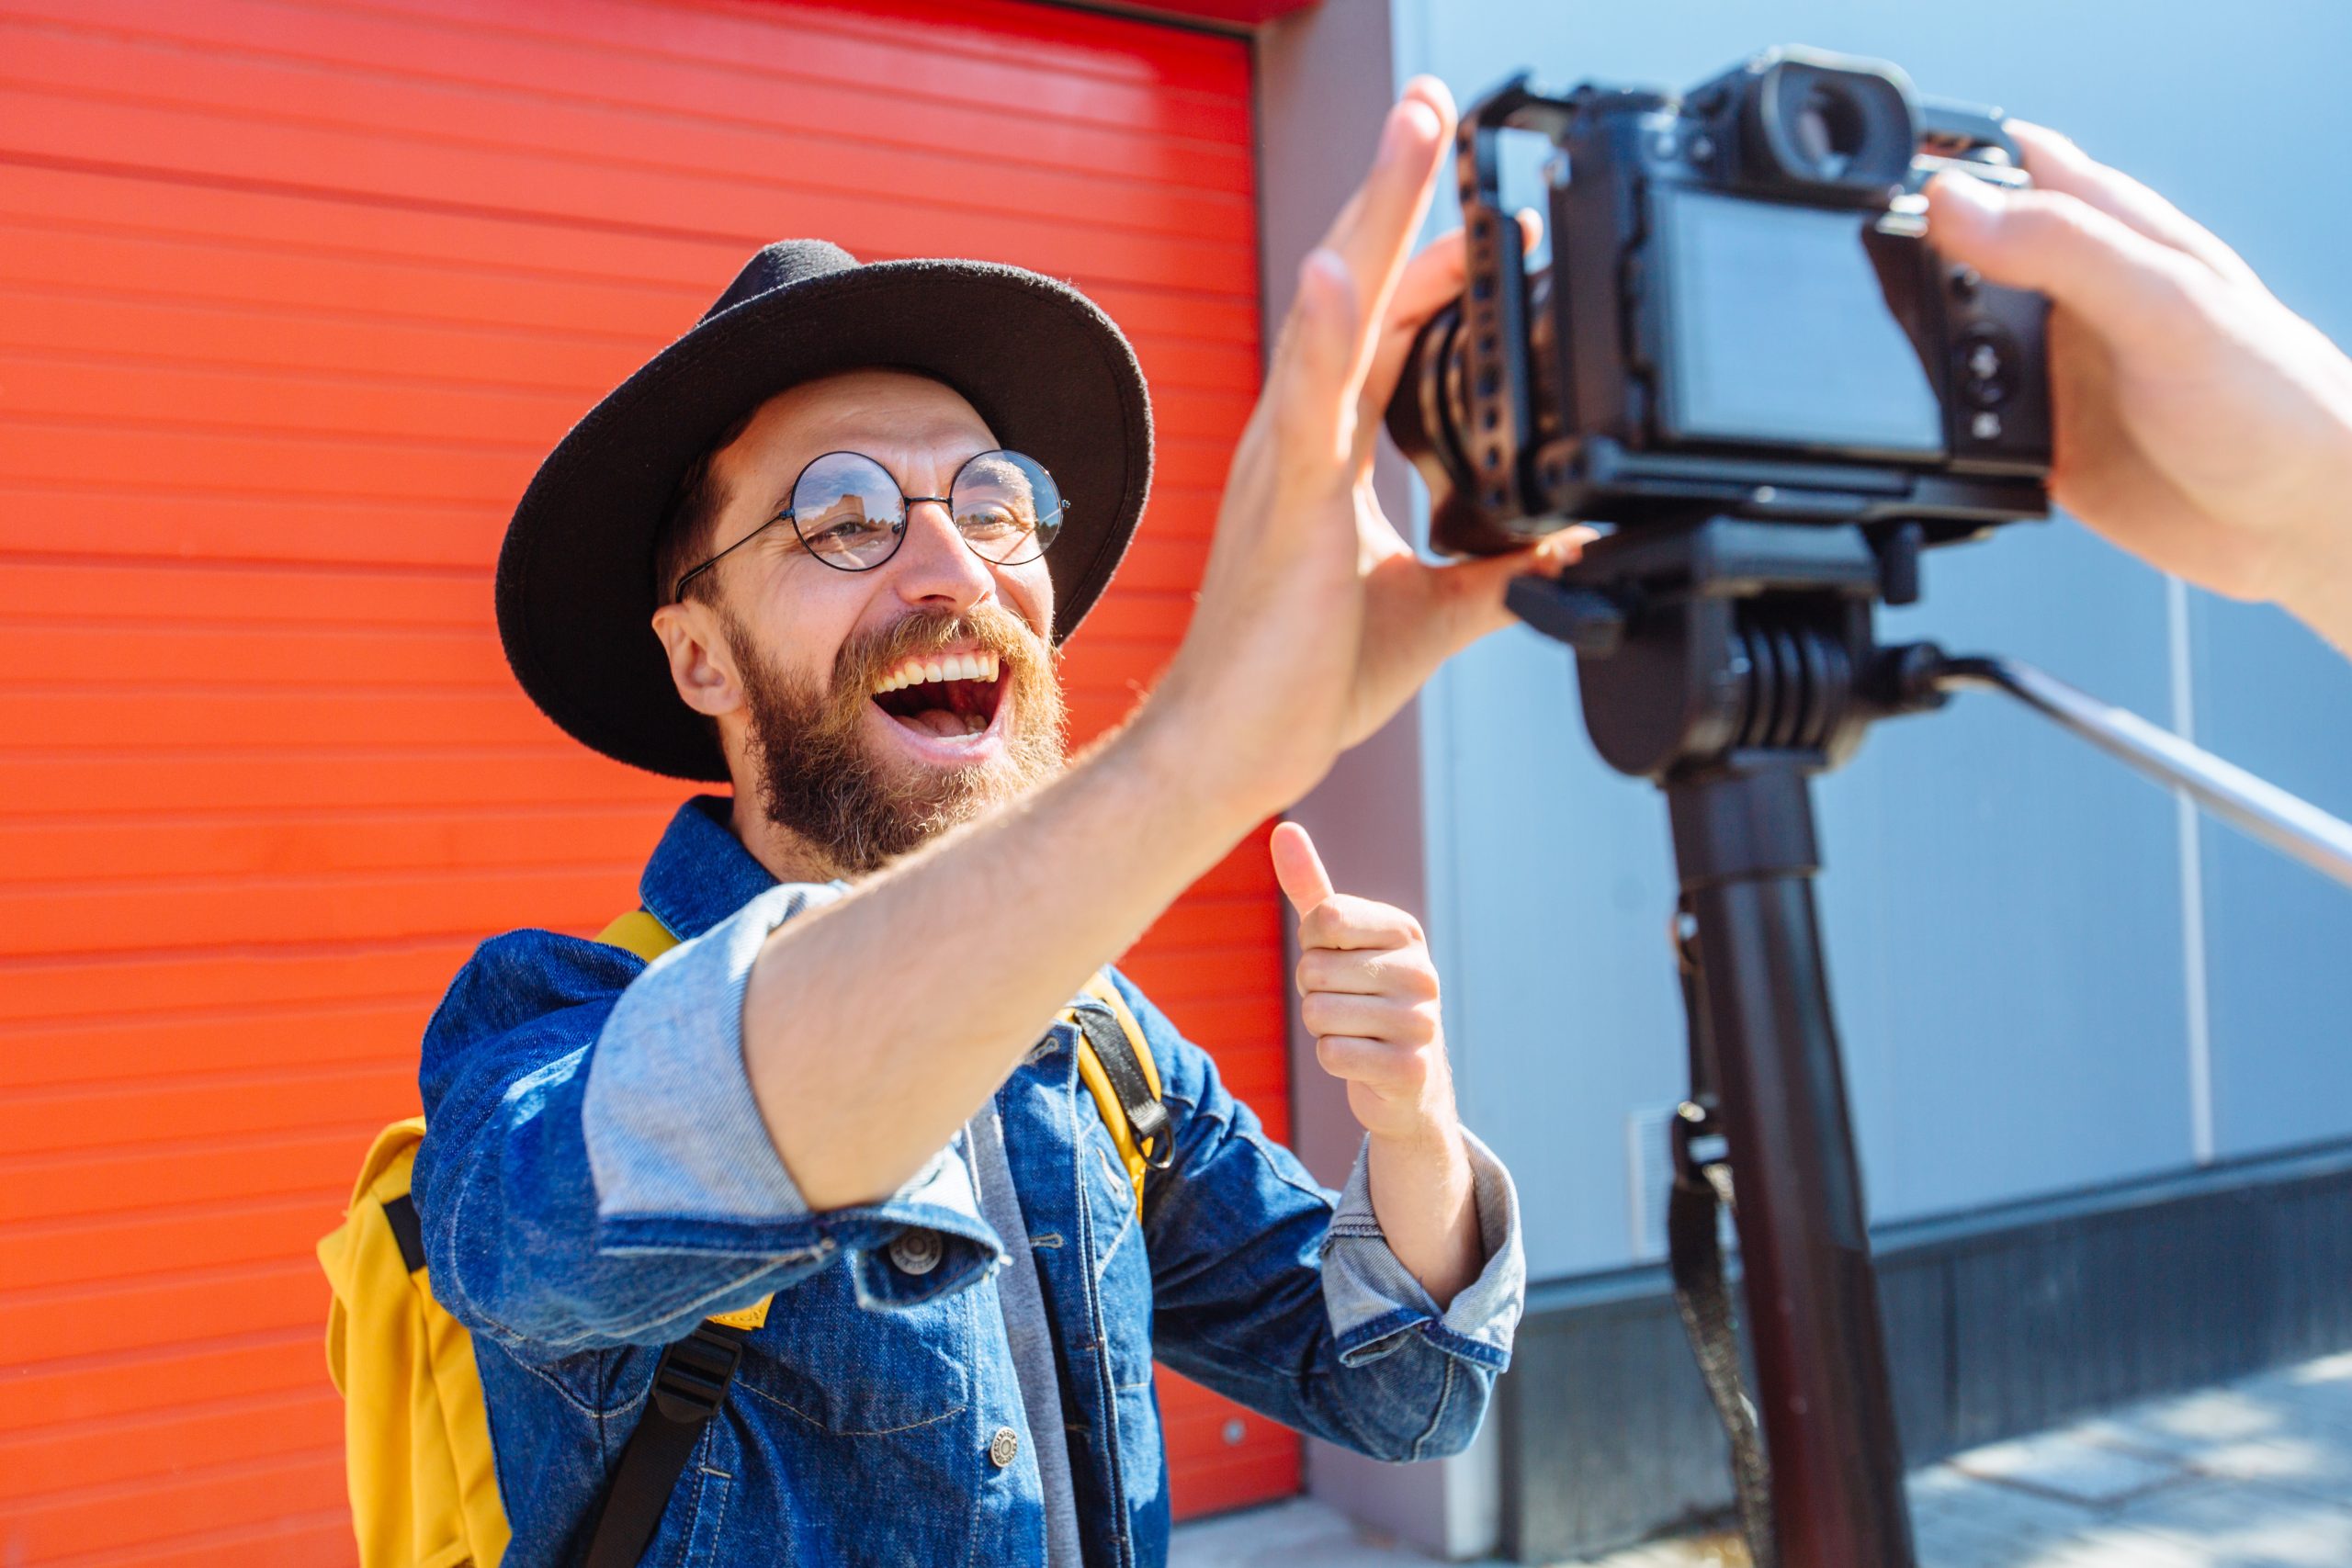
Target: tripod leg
(1744, 843)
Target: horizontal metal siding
(292, 299)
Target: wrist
(1433, 1143)
(2317, 589)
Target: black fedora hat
(1048, 371)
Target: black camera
(1742, 319)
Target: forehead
(909, 422)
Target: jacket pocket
(858, 1371)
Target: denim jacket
(596, 1178)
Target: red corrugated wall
(293, 296)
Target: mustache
(865, 658)
(817, 779)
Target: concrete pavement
(2257, 1474)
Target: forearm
(1428, 1207)
(875, 1027)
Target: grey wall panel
(1549, 891)
(2278, 938)
(2002, 903)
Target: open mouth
(945, 696)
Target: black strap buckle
(690, 1383)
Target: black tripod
(1728, 662)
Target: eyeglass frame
(907, 504)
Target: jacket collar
(700, 872)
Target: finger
(1386, 1069)
(2124, 285)
(1431, 281)
(1402, 973)
(1370, 1017)
(1298, 868)
(1433, 278)
(2056, 163)
(1405, 972)
(1342, 920)
(1308, 386)
(1477, 586)
(1374, 231)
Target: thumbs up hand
(1368, 993)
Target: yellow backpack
(416, 1437)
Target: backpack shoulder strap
(638, 931)
(690, 1381)
(689, 1385)
(1115, 1061)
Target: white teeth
(953, 667)
(974, 723)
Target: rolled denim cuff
(1374, 1300)
(681, 1156)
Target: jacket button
(916, 1251)
(1003, 1446)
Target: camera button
(1985, 363)
(1965, 282)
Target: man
(2202, 425)
(822, 547)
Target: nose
(935, 569)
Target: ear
(701, 664)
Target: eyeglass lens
(850, 513)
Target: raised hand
(1316, 620)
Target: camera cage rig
(1553, 418)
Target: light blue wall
(2016, 968)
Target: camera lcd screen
(1778, 332)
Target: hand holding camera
(2200, 424)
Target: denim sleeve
(1281, 1295)
(1375, 1301)
(595, 1172)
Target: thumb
(1483, 582)
(2123, 284)
(1298, 868)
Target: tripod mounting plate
(1721, 642)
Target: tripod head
(1720, 643)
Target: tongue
(938, 721)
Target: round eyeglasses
(851, 515)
